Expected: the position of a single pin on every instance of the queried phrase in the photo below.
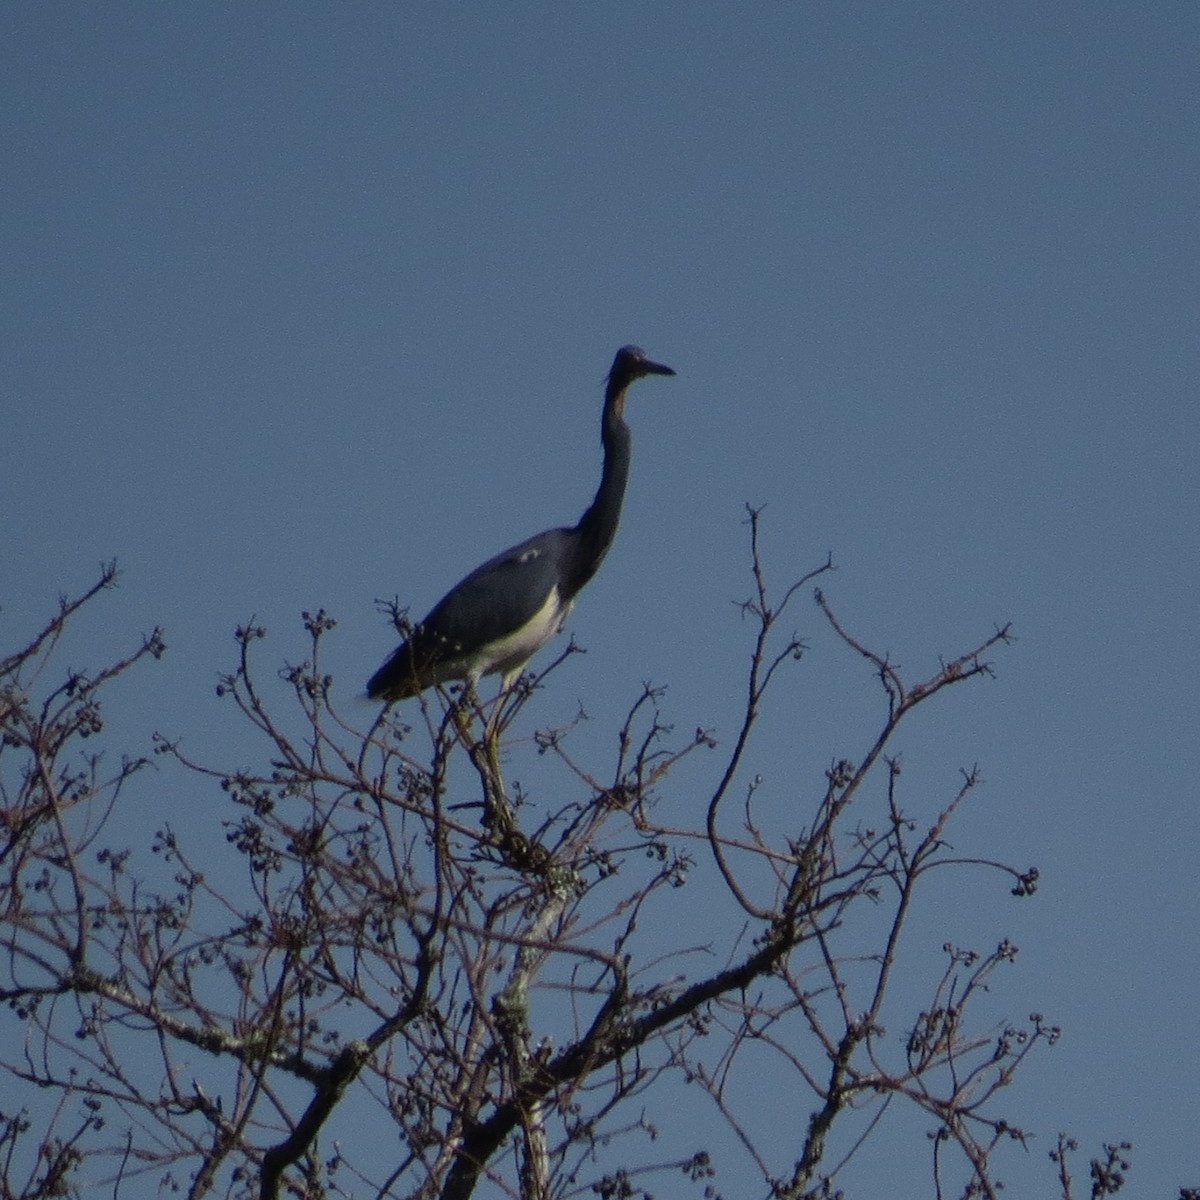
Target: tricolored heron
(506, 610)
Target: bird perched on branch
(511, 606)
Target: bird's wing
(497, 598)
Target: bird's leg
(485, 757)
(462, 724)
(491, 733)
(497, 814)
(465, 709)
(492, 727)
(498, 821)
(498, 718)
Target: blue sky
(308, 305)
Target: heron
(507, 609)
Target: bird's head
(631, 363)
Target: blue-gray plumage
(511, 606)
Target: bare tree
(411, 978)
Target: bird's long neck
(598, 525)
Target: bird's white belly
(511, 652)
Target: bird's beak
(653, 368)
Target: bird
(499, 616)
